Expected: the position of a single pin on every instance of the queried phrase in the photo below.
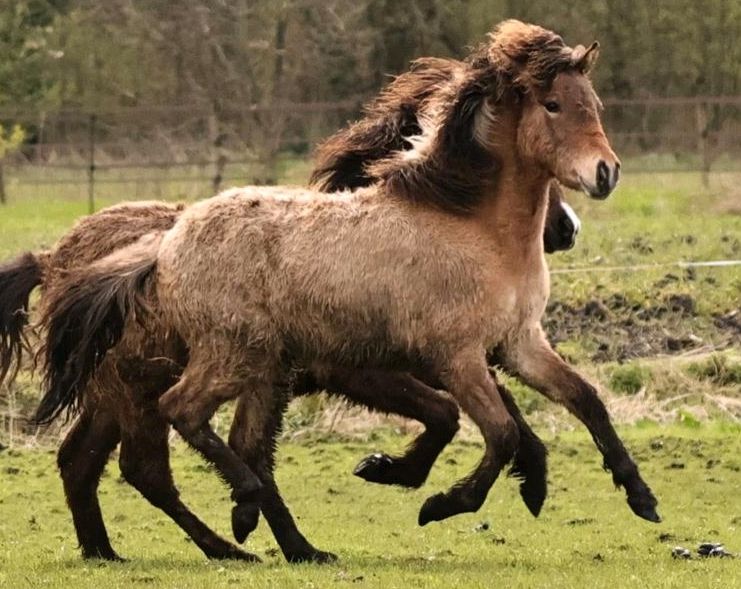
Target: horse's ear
(585, 58)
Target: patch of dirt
(620, 330)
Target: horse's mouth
(593, 191)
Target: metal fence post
(91, 167)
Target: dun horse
(426, 270)
(108, 416)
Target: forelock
(528, 55)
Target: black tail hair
(84, 317)
(17, 279)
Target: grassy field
(663, 341)
(585, 537)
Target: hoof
(645, 506)
(533, 484)
(435, 508)
(533, 493)
(108, 555)
(313, 556)
(223, 550)
(244, 520)
(374, 468)
(237, 554)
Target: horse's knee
(153, 481)
(585, 403)
(448, 420)
(84, 452)
(186, 411)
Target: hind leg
(81, 460)
(253, 437)
(530, 461)
(206, 384)
(145, 464)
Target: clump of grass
(719, 369)
(629, 379)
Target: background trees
(133, 52)
(200, 78)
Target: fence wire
(120, 145)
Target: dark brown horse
(108, 417)
(426, 251)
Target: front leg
(401, 394)
(529, 465)
(534, 361)
(467, 378)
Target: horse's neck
(516, 211)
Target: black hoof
(533, 493)
(645, 506)
(244, 520)
(374, 468)
(108, 555)
(313, 556)
(435, 508)
(532, 474)
(237, 554)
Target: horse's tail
(18, 278)
(84, 316)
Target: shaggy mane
(387, 124)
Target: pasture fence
(192, 151)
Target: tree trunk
(3, 196)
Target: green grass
(585, 537)
(658, 219)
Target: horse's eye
(552, 106)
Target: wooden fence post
(701, 125)
(91, 166)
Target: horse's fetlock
(248, 493)
(507, 437)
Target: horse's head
(559, 124)
(562, 224)
(524, 95)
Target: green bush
(628, 379)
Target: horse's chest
(514, 300)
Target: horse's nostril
(603, 177)
(617, 172)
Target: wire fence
(197, 150)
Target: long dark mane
(386, 126)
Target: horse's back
(294, 261)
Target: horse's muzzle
(561, 236)
(606, 179)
